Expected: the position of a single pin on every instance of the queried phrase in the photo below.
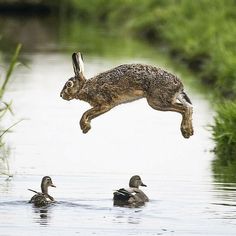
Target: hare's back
(138, 74)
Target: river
(185, 198)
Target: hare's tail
(184, 96)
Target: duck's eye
(69, 84)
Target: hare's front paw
(85, 126)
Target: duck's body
(132, 196)
(43, 198)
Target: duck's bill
(144, 185)
(52, 185)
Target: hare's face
(70, 89)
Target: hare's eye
(69, 84)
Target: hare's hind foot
(186, 129)
(186, 124)
(184, 108)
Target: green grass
(224, 132)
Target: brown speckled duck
(43, 198)
(132, 196)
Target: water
(185, 198)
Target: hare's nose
(62, 96)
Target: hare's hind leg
(91, 114)
(184, 108)
(187, 116)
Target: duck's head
(46, 182)
(136, 181)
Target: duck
(132, 196)
(41, 199)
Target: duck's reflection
(42, 216)
(130, 216)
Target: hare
(126, 83)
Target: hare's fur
(127, 83)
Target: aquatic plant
(10, 70)
(4, 108)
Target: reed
(10, 70)
(4, 108)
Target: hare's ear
(78, 64)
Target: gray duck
(132, 196)
(43, 198)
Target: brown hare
(127, 83)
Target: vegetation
(4, 108)
(224, 132)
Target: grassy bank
(201, 34)
(224, 132)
